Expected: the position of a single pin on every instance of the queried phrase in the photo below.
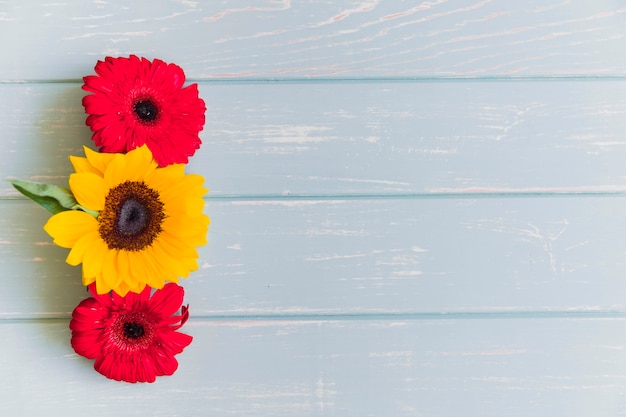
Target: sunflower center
(146, 110)
(132, 216)
(133, 330)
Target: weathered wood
(417, 206)
(370, 138)
(348, 38)
(486, 367)
(362, 256)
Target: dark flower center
(132, 216)
(133, 330)
(146, 110)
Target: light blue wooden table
(418, 208)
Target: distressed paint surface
(349, 38)
(366, 367)
(363, 256)
(417, 207)
(390, 138)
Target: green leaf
(53, 198)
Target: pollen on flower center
(146, 110)
(132, 216)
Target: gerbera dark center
(146, 110)
(132, 216)
(133, 330)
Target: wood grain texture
(417, 207)
(363, 257)
(492, 367)
(372, 138)
(348, 38)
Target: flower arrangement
(132, 217)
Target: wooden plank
(491, 367)
(348, 38)
(362, 256)
(371, 138)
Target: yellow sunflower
(149, 221)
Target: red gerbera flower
(137, 101)
(132, 338)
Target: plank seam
(334, 80)
(396, 196)
(426, 316)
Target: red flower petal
(172, 135)
(86, 343)
(176, 342)
(132, 338)
(167, 301)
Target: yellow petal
(162, 178)
(192, 264)
(185, 187)
(98, 161)
(101, 286)
(142, 266)
(116, 172)
(187, 227)
(174, 260)
(184, 205)
(163, 263)
(139, 163)
(94, 257)
(88, 188)
(81, 247)
(81, 164)
(87, 280)
(175, 247)
(139, 287)
(122, 289)
(110, 274)
(124, 268)
(195, 206)
(69, 226)
(133, 166)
